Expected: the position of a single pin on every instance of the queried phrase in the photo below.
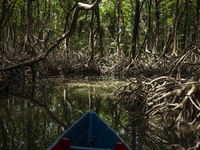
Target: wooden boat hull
(90, 132)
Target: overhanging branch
(66, 35)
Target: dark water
(33, 117)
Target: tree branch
(66, 35)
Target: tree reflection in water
(32, 117)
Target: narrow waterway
(33, 117)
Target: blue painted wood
(90, 127)
(82, 132)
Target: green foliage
(51, 16)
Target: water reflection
(32, 117)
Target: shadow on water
(33, 117)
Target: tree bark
(119, 28)
(157, 26)
(195, 36)
(150, 28)
(173, 34)
(99, 30)
(135, 31)
(26, 37)
(91, 38)
(185, 25)
(83, 28)
(4, 18)
(175, 28)
(67, 25)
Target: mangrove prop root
(163, 96)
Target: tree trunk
(150, 29)
(26, 37)
(174, 31)
(185, 26)
(83, 29)
(175, 28)
(135, 31)
(157, 26)
(68, 20)
(91, 39)
(195, 35)
(4, 18)
(99, 32)
(119, 28)
(80, 28)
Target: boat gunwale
(89, 148)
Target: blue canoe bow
(90, 132)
